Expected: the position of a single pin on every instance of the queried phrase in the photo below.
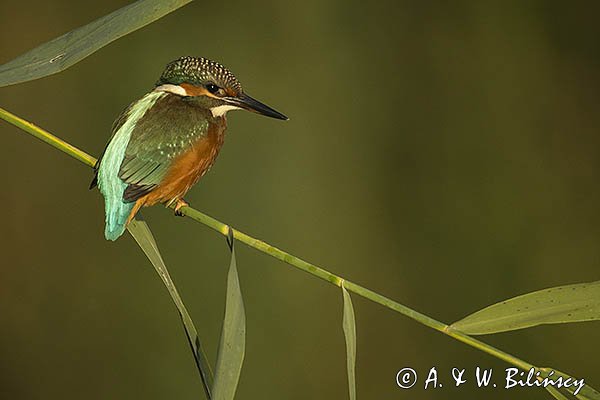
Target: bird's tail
(117, 216)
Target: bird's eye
(211, 87)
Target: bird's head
(212, 85)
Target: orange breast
(186, 169)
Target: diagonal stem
(282, 255)
(47, 137)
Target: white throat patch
(221, 110)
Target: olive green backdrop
(445, 155)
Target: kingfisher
(163, 143)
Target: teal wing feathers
(117, 124)
(111, 186)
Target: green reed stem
(282, 255)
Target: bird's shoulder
(172, 124)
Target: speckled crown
(198, 71)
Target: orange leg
(180, 203)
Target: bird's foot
(180, 203)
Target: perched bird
(164, 142)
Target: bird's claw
(180, 203)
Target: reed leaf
(561, 304)
(559, 394)
(64, 51)
(230, 356)
(143, 236)
(349, 327)
(586, 393)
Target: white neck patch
(221, 110)
(175, 89)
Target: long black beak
(248, 103)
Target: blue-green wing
(110, 184)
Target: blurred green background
(443, 154)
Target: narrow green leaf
(584, 391)
(349, 326)
(588, 393)
(562, 304)
(558, 394)
(70, 48)
(233, 338)
(144, 238)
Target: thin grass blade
(559, 394)
(60, 53)
(576, 387)
(144, 238)
(562, 304)
(233, 338)
(349, 327)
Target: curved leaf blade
(232, 347)
(143, 236)
(349, 327)
(577, 387)
(563, 304)
(60, 53)
(557, 393)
